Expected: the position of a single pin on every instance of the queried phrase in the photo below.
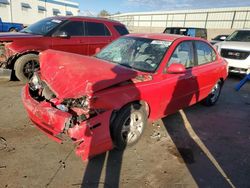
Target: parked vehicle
(81, 35)
(10, 27)
(187, 31)
(218, 38)
(236, 50)
(105, 101)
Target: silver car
(236, 50)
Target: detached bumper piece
(92, 136)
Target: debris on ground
(4, 166)
(156, 135)
(62, 164)
(3, 143)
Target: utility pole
(11, 16)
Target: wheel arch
(141, 102)
(22, 54)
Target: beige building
(216, 20)
(30, 11)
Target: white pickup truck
(236, 50)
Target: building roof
(226, 9)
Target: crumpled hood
(244, 46)
(72, 76)
(10, 36)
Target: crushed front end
(5, 60)
(86, 127)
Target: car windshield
(142, 54)
(242, 36)
(42, 27)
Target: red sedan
(105, 101)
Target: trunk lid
(72, 76)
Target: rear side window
(73, 28)
(96, 29)
(122, 30)
(205, 54)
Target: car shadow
(108, 163)
(199, 165)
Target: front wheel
(128, 126)
(214, 95)
(25, 66)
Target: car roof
(85, 18)
(248, 29)
(160, 36)
(185, 28)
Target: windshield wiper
(125, 65)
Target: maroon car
(81, 35)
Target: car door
(97, 36)
(179, 89)
(207, 68)
(70, 38)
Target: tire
(214, 95)
(121, 126)
(25, 66)
(12, 30)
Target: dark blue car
(10, 27)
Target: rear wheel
(213, 97)
(128, 126)
(25, 66)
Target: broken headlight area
(82, 102)
(4, 53)
(3, 57)
(39, 90)
(79, 108)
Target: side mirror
(176, 68)
(62, 34)
(97, 50)
(223, 38)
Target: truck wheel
(12, 30)
(214, 95)
(25, 66)
(128, 126)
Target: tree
(103, 13)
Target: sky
(124, 6)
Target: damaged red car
(82, 35)
(105, 101)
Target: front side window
(96, 29)
(184, 54)
(73, 28)
(205, 54)
(142, 54)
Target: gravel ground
(198, 147)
